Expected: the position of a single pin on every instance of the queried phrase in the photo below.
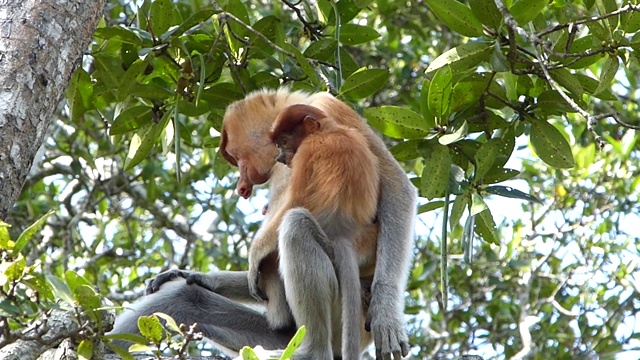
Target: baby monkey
(335, 176)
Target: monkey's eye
(284, 141)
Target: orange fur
(334, 174)
(246, 143)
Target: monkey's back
(336, 176)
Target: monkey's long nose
(244, 189)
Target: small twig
(313, 31)
(512, 27)
(224, 15)
(620, 122)
(622, 10)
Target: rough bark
(41, 44)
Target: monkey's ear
(311, 124)
(223, 149)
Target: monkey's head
(244, 140)
(291, 127)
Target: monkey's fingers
(388, 335)
(254, 289)
(155, 283)
(200, 280)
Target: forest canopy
(516, 120)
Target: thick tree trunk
(41, 44)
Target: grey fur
(311, 286)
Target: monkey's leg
(350, 293)
(221, 320)
(310, 283)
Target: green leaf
(303, 62)
(590, 85)
(109, 70)
(580, 46)
(524, 11)
(552, 103)
(462, 57)
(15, 270)
(570, 82)
(362, 3)
(61, 290)
(459, 134)
(456, 16)
(323, 50)
(435, 173)
(630, 22)
(427, 115)
(171, 324)
(550, 145)
(130, 79)
(220, 95)
(87, 297)
(509, 192)
(468, 90)
(294, 343)
(364, 83)
(485, 226)
(141, 145)
(221, 167)
(499, 174)
(38, 282)
(430, 206)
(122, 33)
(606, 7)
(150, 328)
(134, 338)
(440, 94)
(406, 150)
(396, 122)
(161, 17)
(239, 10)
(457, 210)
(349, 66)
(485, 157)
(79, 93)
(151, 92)
(608, 73)
(487, 123)
(28, 233)
(5, 239)
(122, 353)
(74, 280)
(193, 20)
(487, 12)
(248, 353)
(353, 34)
(599, 31)
(85, 350)
(477, 204)
(131, 119)
(258, 48)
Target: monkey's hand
(155, 283)
(386, 325)
(256, 255)
(207, 281)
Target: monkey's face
(286, 147)
(245, 143)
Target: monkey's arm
(265, 243)
(396, 214)
(230, 284)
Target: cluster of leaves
(27, 293)
(138, 187)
